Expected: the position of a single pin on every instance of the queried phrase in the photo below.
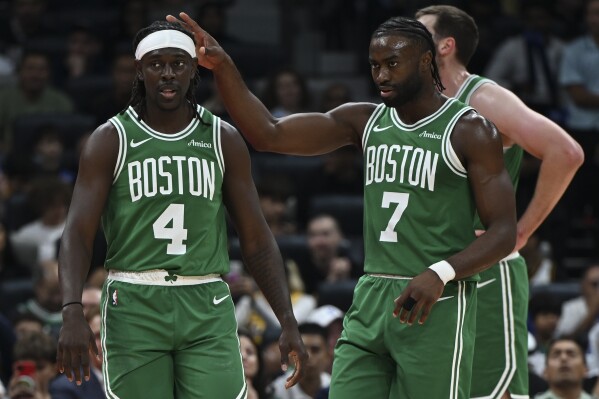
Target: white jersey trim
(373, 118)
(449, 155)
(476, 86)
(163, 136)
(424, 121)
(216, 138)
(459, 342)
(105, 362)
(122, 155)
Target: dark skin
(164, 72)
(394, 60)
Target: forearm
(265, 264)
(74, 263)
(496, 243)
(555, 175)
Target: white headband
(164, 39)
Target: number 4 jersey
(165, 208)
(419, 208)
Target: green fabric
(379, 357)
(165, 208)
(501, 351)
(419, 208)
(155, 338)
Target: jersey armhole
(122, 155)
(449, 155)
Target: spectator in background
(212, 15)
(40, 349)
(579, 77)
(27, 323)
(340, 173)
(26, 23)
(276, 195)
(315, 376)
(334, 95)
(90, 299)
(565, 371)
(84, 57)
(580, 314)
(47, 300)
(545, 311)
(330, 318)
(50, 157)
(252, 365)
(527, 64)
(286, 92)
(329, 259)
(32, 95)
(36, 241)
(105, 105)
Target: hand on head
(209, 53)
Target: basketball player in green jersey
(159, 176)
(430, 162)
(501, 351)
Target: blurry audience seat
(13, 292)
(339, 294)
(562, 291)
(347, 209)
(71, 126)
(84, 90)
(294, 167)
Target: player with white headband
(159, 176)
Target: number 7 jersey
(419, 208)
(165, 208)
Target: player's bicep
(480, 146)
(94, 181)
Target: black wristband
(72, 303)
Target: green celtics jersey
(512, 156)
(165, 208)
(419, 208)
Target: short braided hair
(415, 31)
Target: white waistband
(391, 276)
(160, 277)
(511, 256)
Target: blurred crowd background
(66, 66)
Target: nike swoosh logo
(444, 298)
(380, 129)
(482, 284)
(217, 301)
(138, 143)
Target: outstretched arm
(560, 154)
(258, 246)
(91, 191)
(478, 144)
(299, 134)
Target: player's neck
(453, 75)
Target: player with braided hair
(429, 163)
(158, 176)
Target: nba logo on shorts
(115, 299)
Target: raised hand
(209, 53)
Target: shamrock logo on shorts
(171, 277)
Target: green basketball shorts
(169, 337)
(379, 357)
(501, 350)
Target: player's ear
(446, 46)
(138, 73)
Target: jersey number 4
(401, 199)
(176, 233)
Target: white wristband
(444, 270)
